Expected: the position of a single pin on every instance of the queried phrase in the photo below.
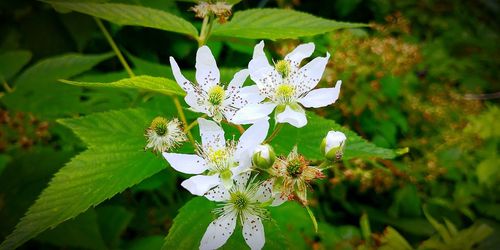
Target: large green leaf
(148, 83)
(11, 62)
(115, 160)
(37, 90)
(277, 24)
(131, 15)
(309, 139)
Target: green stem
(325, 165)
(276, 130)
(206, 28)
(313, 219)
(178, 106)
(115, 48)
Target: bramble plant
(245, 140)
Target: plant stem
(206, 28)
(276, 130)
(115, 48)
(313, 218)
(183, 118)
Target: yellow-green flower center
(283, 67)
(294, 168)
(239, 200)
(216, 95)
(285, 93)
(159, 124)
(218, 156)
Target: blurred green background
(424, 75)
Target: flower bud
(263, 156)
(333, 144)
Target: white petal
(295, 118)
(321, 97)
(261, 72)
(244, 165)
(207, 73)
(212, 136)
(265, 191)
(252, 113)
(188, 164)
(253, 231)
(200, 184)
(252, 137)
(308, 76)
(242, 179)
(184, 83)
(218, 193)
(218, 232)
(278, 199)
(298, 54)
(238, 79)
(251, 94)
(192, 99)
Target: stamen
(216, 95)
(285, 93)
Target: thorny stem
(115, 48)
(131, 73)
(276, 130)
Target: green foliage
(115, 160)
(148, 83)
(11, 62)
(124, 14)
(309, 138)
(277, 24)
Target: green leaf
(392, 240)
(277, 24)
(113, 220)
(148, 83)
(309, 139)
(11, 62)
(124, 14)
(114, 161)
(37, 90)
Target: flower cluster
(245, 175)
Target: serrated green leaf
(277, 24)
(309, 139)
(124, 14)
(114, 161)
(149, 83)
(11, 62)
(37, 91)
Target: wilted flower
(208, 95)
(263, 156)
(163, 135)
(244, 201)
(333, 144)
(221, 10)
(287, 87)
(293, 174)
(218, 160)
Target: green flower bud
(333, 144)
(263, 156)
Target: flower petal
(242, 179)
(188, 164)
(308, 76)
(299, 53)
(192, 99)
(278, 199)
(265, 191)
(253, 231)
(218, 232)
(218, 193)
(252, 137)
(212, 136)
(184, 83)
(263, 74)
(238, 79)
(295, 118)
(321, 97)
(207, 72)
(252, 113)
(251, 94)
(200, 184)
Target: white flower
(163, 135)
(286, 86)
(208, 95)
(244, 201)
(333, 144)
(217, 161)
